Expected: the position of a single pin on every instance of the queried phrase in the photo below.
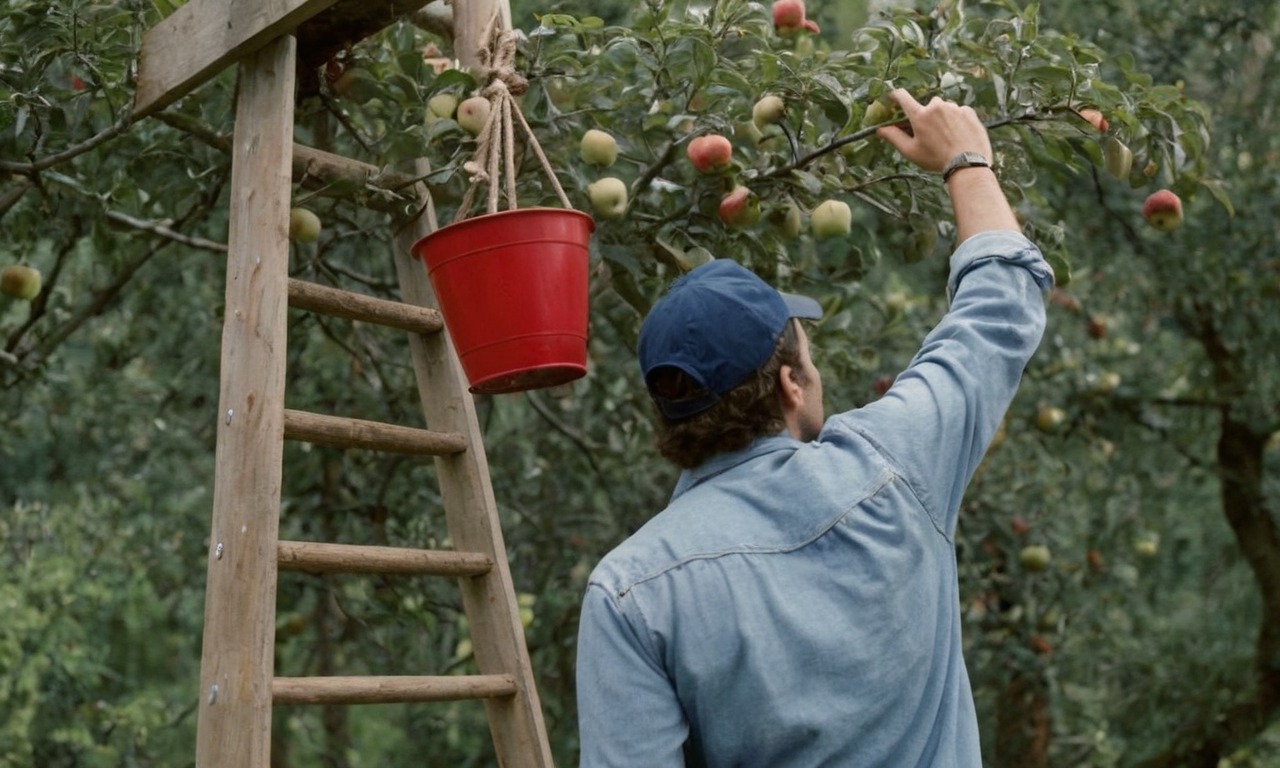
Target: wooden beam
(323, 557)
(516, 723)
(390, 690)
(336, 176)
(234, 720)
(347, 305)
(203, 37)
(343, 432)
(347, 23)
(471, 28)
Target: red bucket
(512, 288)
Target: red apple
(1095, 118)
(1163, 210)
(789, 18)
(710, 153)
(740, 208)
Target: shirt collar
(723, 462)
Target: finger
(906, 101)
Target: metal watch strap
(964, 160)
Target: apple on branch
(1050, 418)
(1163, 210)
(710, 153)
(441, 107)
(304, 226)
(608, 197)
(768, 111)
(473, 113)
(740, 208)
(598, 148)
(832, 218)
(789, 18)
(1035, 557)
(1117, 159)
(20, 282)
(1095, 118)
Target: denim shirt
(797, 603)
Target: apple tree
(109, 372)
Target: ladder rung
(331, 175)
(343, 432)
(320, 557)
(354, 306)
(389, 690)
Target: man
(797, 602)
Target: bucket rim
(486, 218)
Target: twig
(162, 229)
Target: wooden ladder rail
(238, 685)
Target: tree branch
(162, 229)
(44, 163)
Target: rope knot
(495, 156)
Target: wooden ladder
(238, 686)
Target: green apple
(768, 110)
(792, 221)
(608, 197)
(1035, 557)
(1163, 210)
(877, 112)
(1050, 418)
(473, 113)
(832, 218)
(441, 107)
(1117, 159)
(740, 208)
(20, 282)
(598, 148)
(304, 226)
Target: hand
(937, 131)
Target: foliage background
(1152, 637)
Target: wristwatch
(964, 160)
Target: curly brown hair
(750, 410)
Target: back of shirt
(804, 611)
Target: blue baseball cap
(718, 323)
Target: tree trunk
(1240, 455)
(1023, 722)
